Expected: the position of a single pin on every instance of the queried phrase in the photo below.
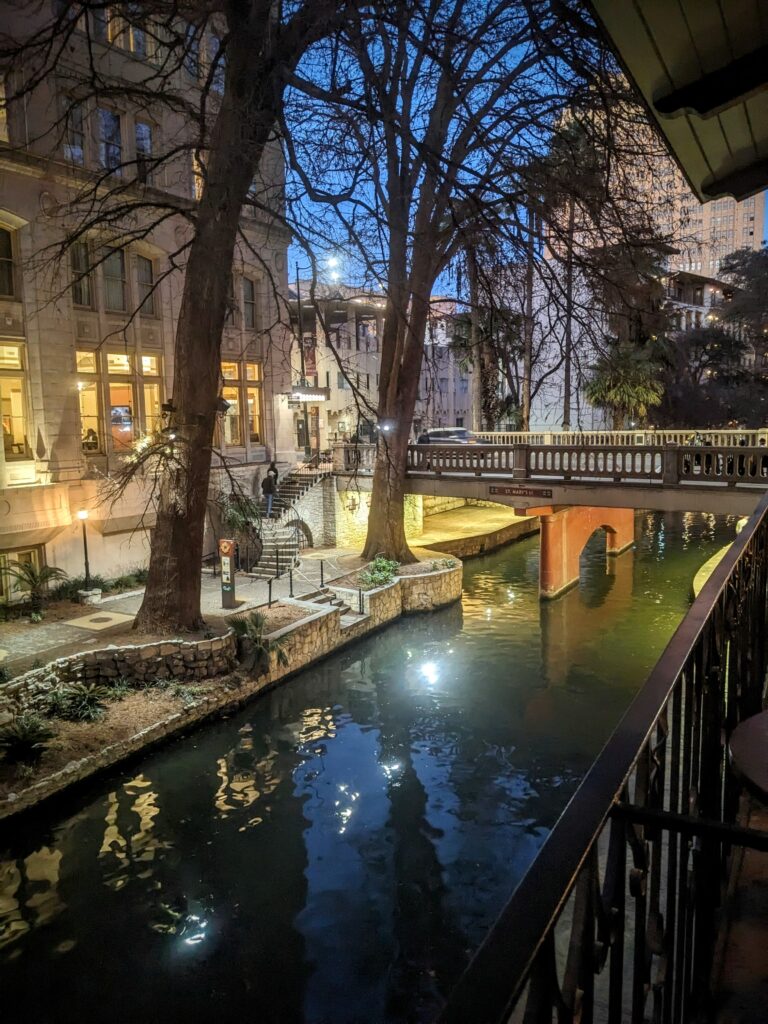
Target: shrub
(34, 581)
(25, 739)
(5, 675)
(36, 617)
(443, 563)
(140, 574)
(126, 582)
(79, 702)
(378, 573)
(67, 591)
(254, 648)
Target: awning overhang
(702, 72)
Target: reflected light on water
(430, 673)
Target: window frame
(84, 278)
(123, 280)
(144, 156)
(9, 262)
(105, 145)
(147, 305)
(249, 304)
(17, 373)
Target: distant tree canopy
(748, 306)
(707, 382)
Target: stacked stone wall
(183, 661)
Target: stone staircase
(294, 485)
(327, 597)
(280, 537)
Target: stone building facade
(86, 336)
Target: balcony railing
(616, 918)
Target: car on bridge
(448, 435)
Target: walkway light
(82, 515)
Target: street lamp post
(82, 515)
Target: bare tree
(429, 106)
(216, 72)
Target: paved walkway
(99, 624)
(465, 522)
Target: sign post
(227, 555)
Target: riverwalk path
(463, 531)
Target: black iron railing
(617, 916)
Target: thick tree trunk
(474, 344)
(386, 525)
(528, 331)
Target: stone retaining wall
(304, 642)
(184, 661)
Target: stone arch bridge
(578, 488)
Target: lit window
(81, 278)
(146, 281)
(118, 362)
(150, 366)
(3, 112)
(114, 282)
(153, 417)
(121, 414)
(230, 371)
(249, 304)
(253, 399)
(110, 140)
(7, 277)
(74, 142)
(143, 151)
(12, 403)
(198, 175)
(86, 361)
(253, 371)
(90, 420)
(230, 426)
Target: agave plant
(25, 739)
(254, 648)
(35, 581)
(79, 702)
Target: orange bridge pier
(564, 534)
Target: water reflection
(336, 850)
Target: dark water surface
(335, 851)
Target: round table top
(749, 753)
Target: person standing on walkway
(269, 489)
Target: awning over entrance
(702, 69)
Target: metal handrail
(665, 762)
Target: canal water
(333, 853)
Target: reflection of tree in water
(430, 950)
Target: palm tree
(28, 577)
(626, 382)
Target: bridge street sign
(520, 492)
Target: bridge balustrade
(726, 464)
(616, 918)
(568, 462)
(611, 438)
